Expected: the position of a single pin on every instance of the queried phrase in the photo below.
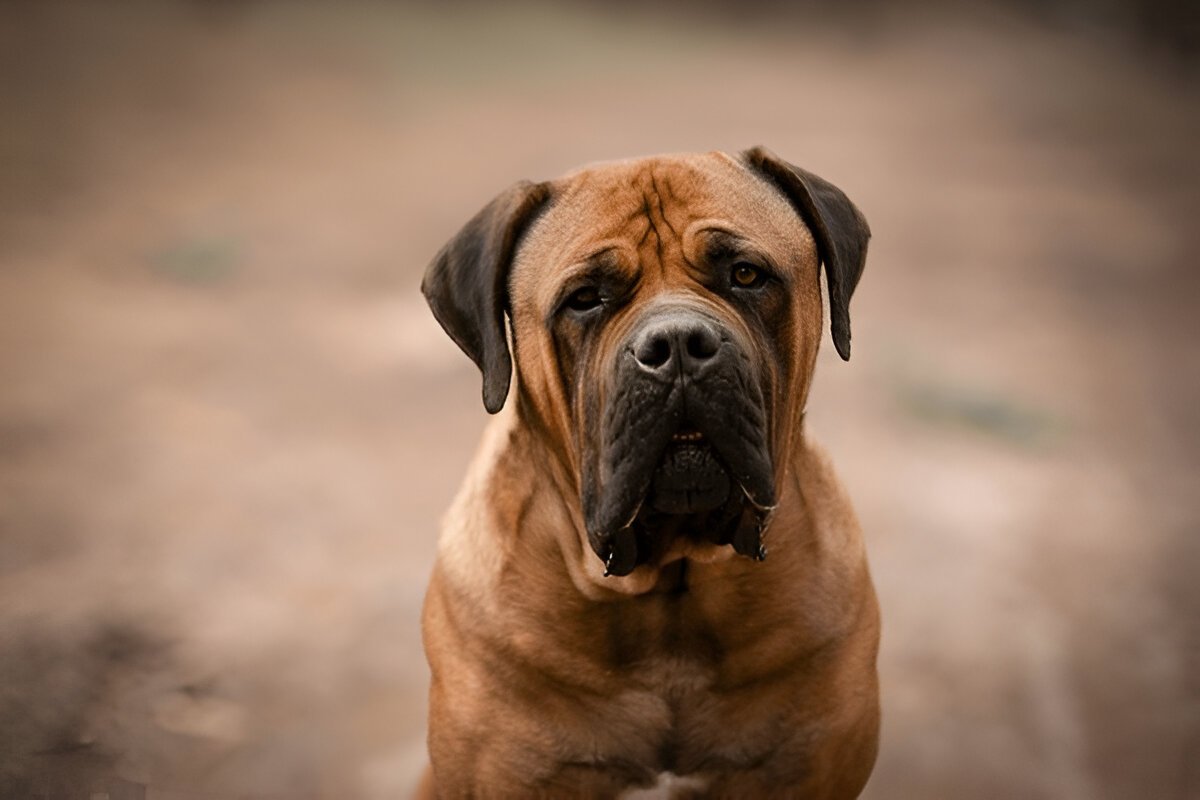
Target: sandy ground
(228, 424)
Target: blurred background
(228, 424)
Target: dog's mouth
(689, 478)
(692, 495)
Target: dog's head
(665, 316)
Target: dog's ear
(839, 227)
(466, 284)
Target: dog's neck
(536, 556)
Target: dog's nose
(677, 342)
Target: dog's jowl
(651, 578)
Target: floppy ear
(839, 227)
(466, 284)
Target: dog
(651, 580)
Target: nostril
(702, 344)
(654, 352)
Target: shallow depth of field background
(228, 424)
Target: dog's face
(666, 315)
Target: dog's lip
(613, 529)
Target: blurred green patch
(979, 410)
(199, 260)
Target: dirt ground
(228, 424)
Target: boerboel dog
(651, 582)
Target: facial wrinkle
(668, 194)
(658, 199)
(652, 227)
(656, 210)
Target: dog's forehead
(620, 203)
(696, 183)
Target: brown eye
(746, 276)
(584, 299)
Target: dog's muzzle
(682, 448)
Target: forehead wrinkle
(664, 193)
(675, 213)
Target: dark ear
(466, 284)
(839, 227)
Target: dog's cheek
(771, 320)
(766, 343)
(584, 392)
(567, 340)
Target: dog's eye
(584, 299)
(746, 276)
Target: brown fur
(552, 680)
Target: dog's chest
(680, 719)
(668, 786)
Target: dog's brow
(602, 256)
(604, 262)
(721, 242)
